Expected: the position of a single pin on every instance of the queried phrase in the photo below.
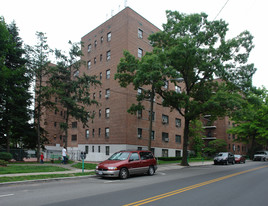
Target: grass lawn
(13, 169)
(87, 166)
(36, 177)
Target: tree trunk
(151, 118)
(184, 161)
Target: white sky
(64, 20)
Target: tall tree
(72, 88)
(15, 83)
(251, 122)
(39, 62)
(194, 49)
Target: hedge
(169, 158)
(5, 156)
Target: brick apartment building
(113, 128)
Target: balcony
(209, 127)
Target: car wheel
(227, 162)
(264, 159)
(123, 174)
(151, 171)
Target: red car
(240, 159)
(125, 163)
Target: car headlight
(112, 168)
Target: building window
(76, 73)
(178, 153)
(140, 34)
(153, 116)
(86, 149)
(164, 119)
(140, 52)
(107, 93)
(99, 150)
(93, 132)
(100, 75)
(89, 48)
(166, 85)
(74, 137)
(139, 114)
(109, 36)
(100, 94)
(74, 124)
(108, 55)
(107, 113)
(178, 139)
(95, 60)
(99, 133)
(139, 133)
(165, 137)
(164, 153)
(153, 135)
(107, 150)
(107, 132)
(88, 64)
(108, 74)
(177, 89)
(55, 124)
(95, 43)
(100, 57)
(94, 95)
(87, 133)
(99, 113)
(93, 148)
(178, 122)
(101, 39)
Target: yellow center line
(175, 192)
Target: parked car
(224, 158)
(260, 156)
(122, 164)
(240, 159)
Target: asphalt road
(210, 185)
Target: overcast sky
(64, 20)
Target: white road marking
(7, 195)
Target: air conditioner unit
(177, 124)
(139, 135)
(166, 139)
(106, 96)
(164, 121)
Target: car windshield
(237, 156)
(221, 155)
(260, 152)
(119, 156)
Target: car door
(134, 163)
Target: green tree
(39, 62)
(15, 98)
(194, 49)
(251, 122)
(71, 88)
(216, 146)
(195, 134)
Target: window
(86, 149)
(100, 94)
(107, 132)
(139, 114)
(109, 36)
(177, 89)
(153, 116)
(139, 91)
(178, 139)
(178, 153)
(139, 133)
(88, 64)
(93, 148)
(165, 137)
(99, 133)
(87, 133)
(74, 137)
(107, 93)
(89, 48)
(164, 153)
(164, 119)
(134, 157)
(107, 150)
(95, 60)
(107, 112)
(146, 155)
(100, 57)
(76, 73)
(56, 99)
(108, 55)
(178, 122)
(99, 113)
(101, 39)
(140, 52)
(98, 149)
(74, 124)
(153, 135)
(95, 43)
(55, 112)
(100, 75)
(166, 85)
(94, 95)
(140, 33)
(108, 74)
(55, 124)
(93, 132)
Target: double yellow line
(175, 192)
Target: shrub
(3, 163)
(5, 156)
(169, 158)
